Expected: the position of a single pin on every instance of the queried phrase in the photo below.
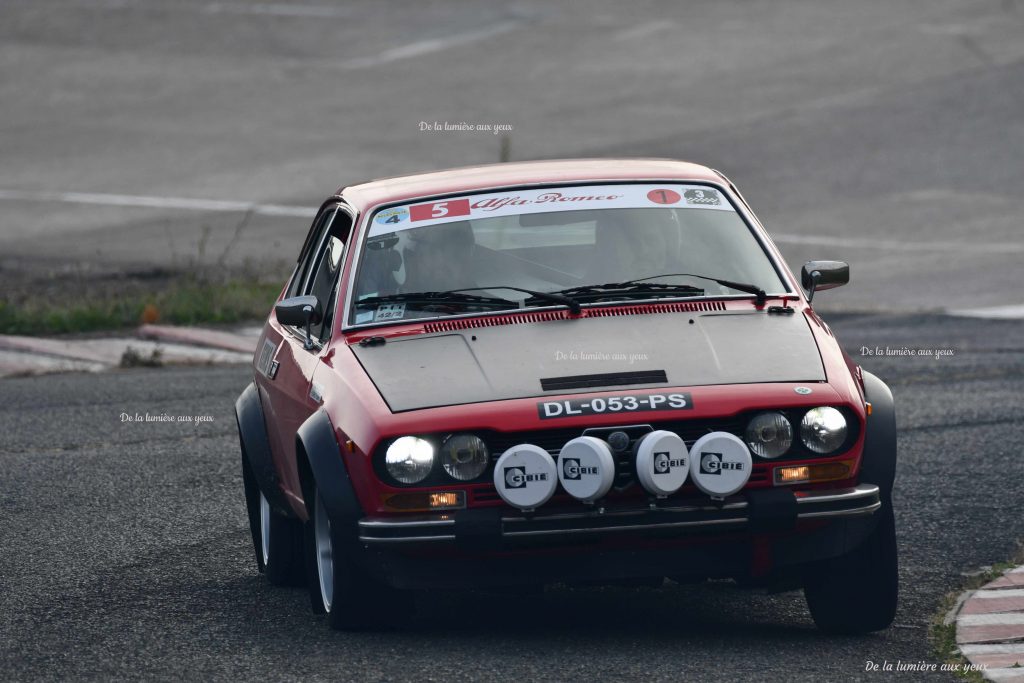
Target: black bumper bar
(757, 511)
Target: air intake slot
(611, 379)
(545, 316)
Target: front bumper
(771, 510)
(764, 536)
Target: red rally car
(562, 371)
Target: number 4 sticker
(445, 209)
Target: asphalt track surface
(887, 134)
(126, 552)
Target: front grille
(552, 440)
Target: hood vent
(546, 316)
(611, 379)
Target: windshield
(502, 245)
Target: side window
(322, 286)
(309, 253)
(326, 258)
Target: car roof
(563, 171)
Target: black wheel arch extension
(320, 462)
(252, 432)
(878, 465)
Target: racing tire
(857, 592)
(277, 539)
(338, 587)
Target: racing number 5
(435, 210)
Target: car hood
(534, 359)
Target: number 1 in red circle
(664, 196)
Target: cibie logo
(572, 469)
(517, 478)
(663, 462)
(702, 197)
(712, 463)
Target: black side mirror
(300, 311)
(816, 275)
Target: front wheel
(277, 539)
(858, 592)
(338, 587)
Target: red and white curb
(21, 356)
(990, 627)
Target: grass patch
(943, 636)
(182, 300)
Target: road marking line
(643, 30)
(425, 47)
(151, 202)
(895, 245)
(1014, 312)
(277, 9)
(1007, 619)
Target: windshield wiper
(612, 289)
(642, 285)
(459, 296)
(452, 297)
(553, 297)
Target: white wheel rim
(264, 529)
(324, 553)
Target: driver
(440, 258)
(631, 243)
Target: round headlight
(409, 459)
(823, 429)
(464, 456)
(769, 435)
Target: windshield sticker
(664, 196)
(447, 209)
(704, 197)
(391, 216)
(389, 312)
(584, 198)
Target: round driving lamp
(823, 430)
(769, 435)
(409, 459)
(464, 456)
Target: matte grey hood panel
(508, 361)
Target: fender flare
(320, 461)
(256, 455)
(878, 464)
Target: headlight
(409, 459)
(769, 435)
(823, 430)
(464, 456)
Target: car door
(292, 398)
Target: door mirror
(300, 311)
(817, 275)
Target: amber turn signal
(824, 471)
(425, 501)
